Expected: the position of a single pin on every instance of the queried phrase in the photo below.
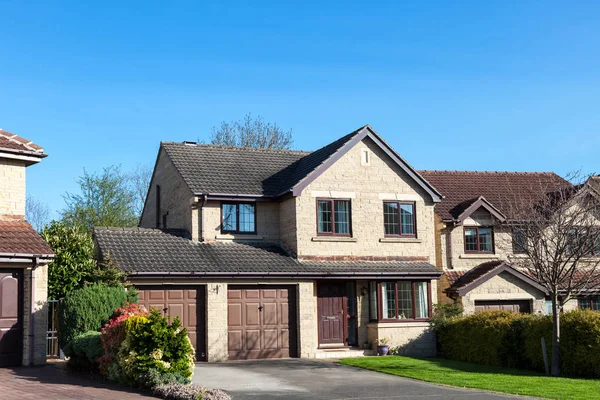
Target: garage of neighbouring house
(496, 285)
(520, 306)
(11, 317)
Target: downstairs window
(400, 300)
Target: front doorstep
(344, 352)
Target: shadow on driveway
(55, 382)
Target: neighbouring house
(274, 253)
(478, 250)
(24, 258)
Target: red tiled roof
(475, 273)
(462, 188)
(18, 237)
(453, 276)
(16, 144)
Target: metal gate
(52, 350)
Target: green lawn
(475, 376)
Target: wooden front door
(261, 322)
(184, 302)
(331, 313)
(11, 321)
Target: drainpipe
(201, 216)
(32, 315)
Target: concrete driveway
(296, 379)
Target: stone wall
(414, 339)
(367, 186)
(505, 286)
(287, 224)
(175, 198)
(40, 314)
(12, 182)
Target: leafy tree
(139, 181)
(37, 212)
(74, 264)
(105, 199)
(251, 132)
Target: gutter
(249, 275)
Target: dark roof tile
(208, 169)
(150, 250)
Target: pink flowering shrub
(111, 337)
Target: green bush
(88, 309)
(153, 342)
(512, 340)
(85, 350)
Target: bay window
(400, 300)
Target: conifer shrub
(88, 309)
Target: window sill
(480, 256)
(237, 236)
(402, 323)
(518, 256)
(399, 240)
(334, 239)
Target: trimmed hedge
(88, 309)
(506, 339)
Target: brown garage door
(520, 306)
(261, 322)
(11, 320)
(185, 302)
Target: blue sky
(484, 85)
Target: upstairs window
(399, 218)
(519, 242)
(238, 218)
(333, 217)
(479, 240)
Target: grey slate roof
(208, 169)
(140, 250)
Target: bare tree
(251, 132)
(556, 225)
(37, 212)
(139, 179)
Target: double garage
(261, 319)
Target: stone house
(24, 257)
(477, 249)
(274, 253)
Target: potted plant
(382, 346)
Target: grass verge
(460, 374)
